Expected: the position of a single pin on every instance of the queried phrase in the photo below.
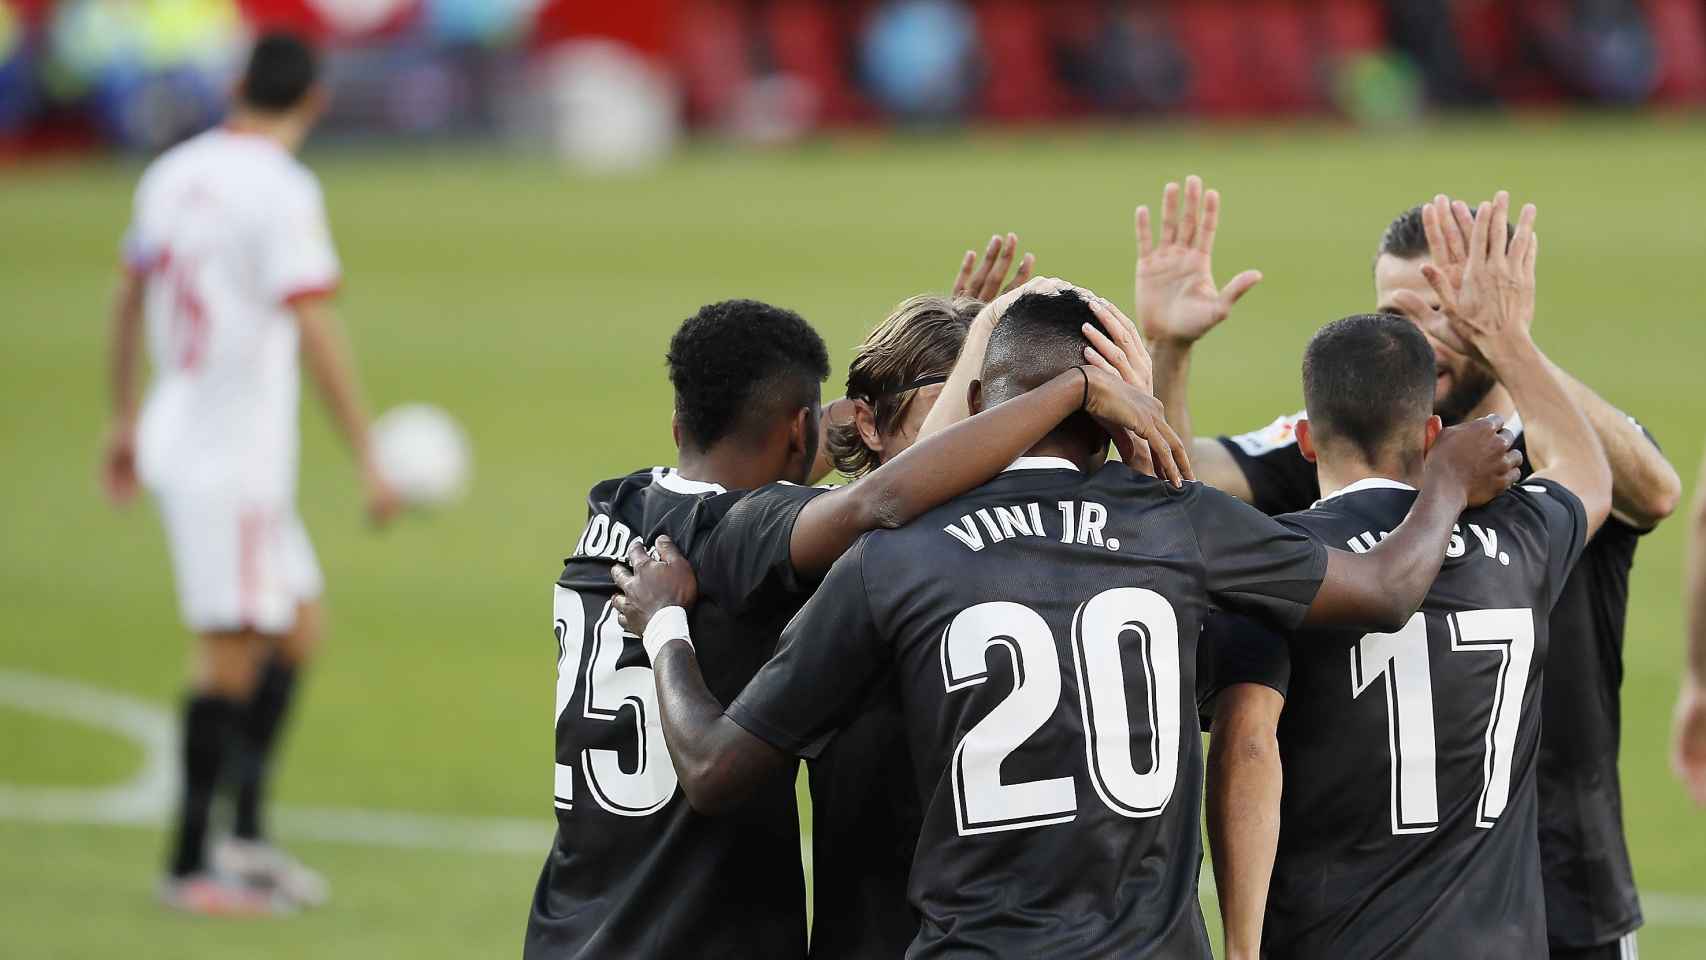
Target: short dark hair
(1366, 378)
(738, 364)
(282, 69)
(1405, 238)
(921, 338)
(1038, 337)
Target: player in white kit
(230, 263)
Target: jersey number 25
(609, 694)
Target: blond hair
(921, 338)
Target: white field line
(146, 798)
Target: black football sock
(208, 722)
(261, 725)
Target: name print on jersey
(1486, 537)
(1080, 522)
(603, 537)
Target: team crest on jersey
(1281, 433)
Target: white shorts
(239, 564)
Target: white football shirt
(228, 229)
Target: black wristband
(1084, 404)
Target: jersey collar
(667, 478)
(1041, 463)
(1366, 483)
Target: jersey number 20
(983, 803)
(606, 690)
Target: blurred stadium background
(530, 194)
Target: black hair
(736, 365)
(1366, 379)
(1406, 239)
(1038, 337)
(282, 69)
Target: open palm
(1177, 299)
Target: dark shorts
(1623, 948)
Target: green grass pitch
(535, 305)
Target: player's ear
(1435, 425)
(675, 430)
(315, 102)
(1305, 440)
(974, 397)
(865, 421)
(802, 433)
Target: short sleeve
(1280, 479)
(1566, 523)
(1253, 564)
(298, 260)
(830, 656)
(749, 551)
(1234, 650)
(139, 251)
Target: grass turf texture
(536, 305)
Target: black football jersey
(1408, 818)
(634, 871)
(1590, 885)
(1041, 635)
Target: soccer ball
(423, 454)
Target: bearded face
(1460, 383)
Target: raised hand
(651, 581)
(1176, 297)
(1485, 287)
(1477, 457)
(983, 279)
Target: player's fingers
(1027, 266)
(998, 270)
(1498, 229)
(1181, 453)
(1111, 352)
(1465, 218)
(1524, 235)
(1530, 256)
(1437, 248)
(667, 551)
(636, 555)
(1210, 221)
(962, 280)
(980, 272)
(1237, 287)
(1161, 454)
(1447, 296)
(1145, 243)
(626, 614)
(1101, 363)
(1478, 236)
(1170, 215)
(621, 576)
(1191, 212)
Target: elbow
(707, 792)
(1663, 497)
(878, 506)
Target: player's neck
(1498, 400)
(729, 468)
(1337, 473)
(1074, 453)
(285, 129)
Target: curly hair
(921, 338)
(737, 364)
